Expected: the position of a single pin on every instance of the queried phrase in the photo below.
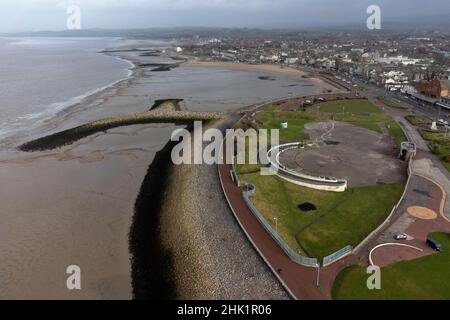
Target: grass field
(397, 132)
(390, 103)
(271, 119)
(439, 142)
(341, 219)
(361, 113)
(419, 120)
(349, 106)
(426, 278)
(364, 209)
(370, 121)
(277, 198)
(440, 145)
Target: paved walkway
(427, 188)
(420, 193)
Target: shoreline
(271, 68)
(244, 66)
(55, 109)
(210, 231)
(64, 109)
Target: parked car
(433, 244)
(400, 237)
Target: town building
(434, 89)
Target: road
(432, 112)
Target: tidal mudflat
(74, 205)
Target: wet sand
(245, 66)
(74, 205)
(271, 68)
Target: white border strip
(390, 244)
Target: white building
(398, 60)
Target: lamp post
(276, 224)
(318, 276)
(439, 113)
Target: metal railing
(250, 189)
(340, 254)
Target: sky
(39, 15)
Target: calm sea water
(41, 76)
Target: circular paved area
(360, 156)
(422, 213)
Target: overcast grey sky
(34, 15)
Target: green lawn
(364, 209)
(439, 142)
(440, 145)
(345, 218)
(419, 120)
(294, 132)
(436, 137)
(296, 123)
(277, 198)
(391, 103)
(361, 113)
(350, 106)
(427, 278)
(370, 122)
(397, 132)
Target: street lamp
(276, 224)
(318, 276)
(439, 113)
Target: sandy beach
(74, 205)
(272, 68)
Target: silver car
(400, 237)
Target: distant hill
(439, 22)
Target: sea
(41, 76)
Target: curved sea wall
(317, 183)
